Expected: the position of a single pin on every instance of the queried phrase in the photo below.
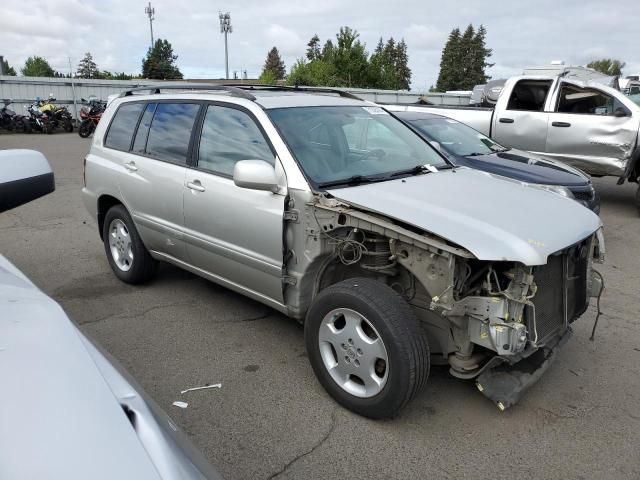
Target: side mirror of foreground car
(255, 175)
(24, 176)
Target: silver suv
(392, 258)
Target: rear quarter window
(123, 125)
(170, 131)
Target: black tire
(26, 126)
(85, 129)
(400, 331)
(143, 266)
(67, 125)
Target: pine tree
(313, 48)
(403, 72)
(160, 62)
(448, 63)
(87, 68)
(477, 75)
(274, 64)
(464, 60)
(8, 70)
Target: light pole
(226, 28)
(150, 11)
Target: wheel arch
(105, 202)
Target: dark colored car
(467, 147)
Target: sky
(116, 32)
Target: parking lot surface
(272, 419)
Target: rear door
(591, 129)
(521, 121)
(153, 174)
(233, 233)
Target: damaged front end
(499, 322)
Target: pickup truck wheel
(128, 257)
(366, 347)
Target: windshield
(455, 137)
(341, 143)
(635, 97)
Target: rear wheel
(128, 257)
(67, 125)
(366, 347)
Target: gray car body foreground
(441, 239)
(67, 409)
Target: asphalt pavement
(272, 419)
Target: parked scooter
(90, 115)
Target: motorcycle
(38, 120)
(10, 120)
(59, 116)
(90, 116)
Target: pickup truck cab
(587, 125)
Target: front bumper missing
(505, 384)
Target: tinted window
(170, 131)
(587, 101)
(143, 129)
(230, 135)
(529, 95)
(122, 126)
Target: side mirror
(255, 175)
(620, 112)
(24, 176)
(436, 145)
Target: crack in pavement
(311, 450)
(122, 315)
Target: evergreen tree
(274, 65)
(403, 72)
(448, 63)
(313, 48)
(87, 68)
(350, 58)
(160, 62)
(37, 67)
(607, 66)
(8, 70)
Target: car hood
(493, 217)
(526, 167)
(62, 407)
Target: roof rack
(287, 88)
(155, 89)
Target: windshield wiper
(354, 180)
(412, 171)
(477, 154)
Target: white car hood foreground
(62, 402)
(493, 217)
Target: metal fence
(23, 90)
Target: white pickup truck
(587, 125)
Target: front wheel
(366, 347)
(67, 125)
(128, 257)
(85, 129)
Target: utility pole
(150, 11)
(226, 28)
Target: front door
(591, 130)
(233, 233)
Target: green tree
(267, 77)
(87, 68)
(607, 66)
(318, 73)
(464, 60)
(274, 65)
(313, 48)
(8, 70)
(37, 67)
(350, 58)
(160, 62)
(403, 72)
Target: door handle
(506, 120)
(195, 185)
(131, 166)
(560, 124)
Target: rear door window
(588, 101)
(123, 125)
(228, 136)
(170, 131)
(140, 142)
(529, 95)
